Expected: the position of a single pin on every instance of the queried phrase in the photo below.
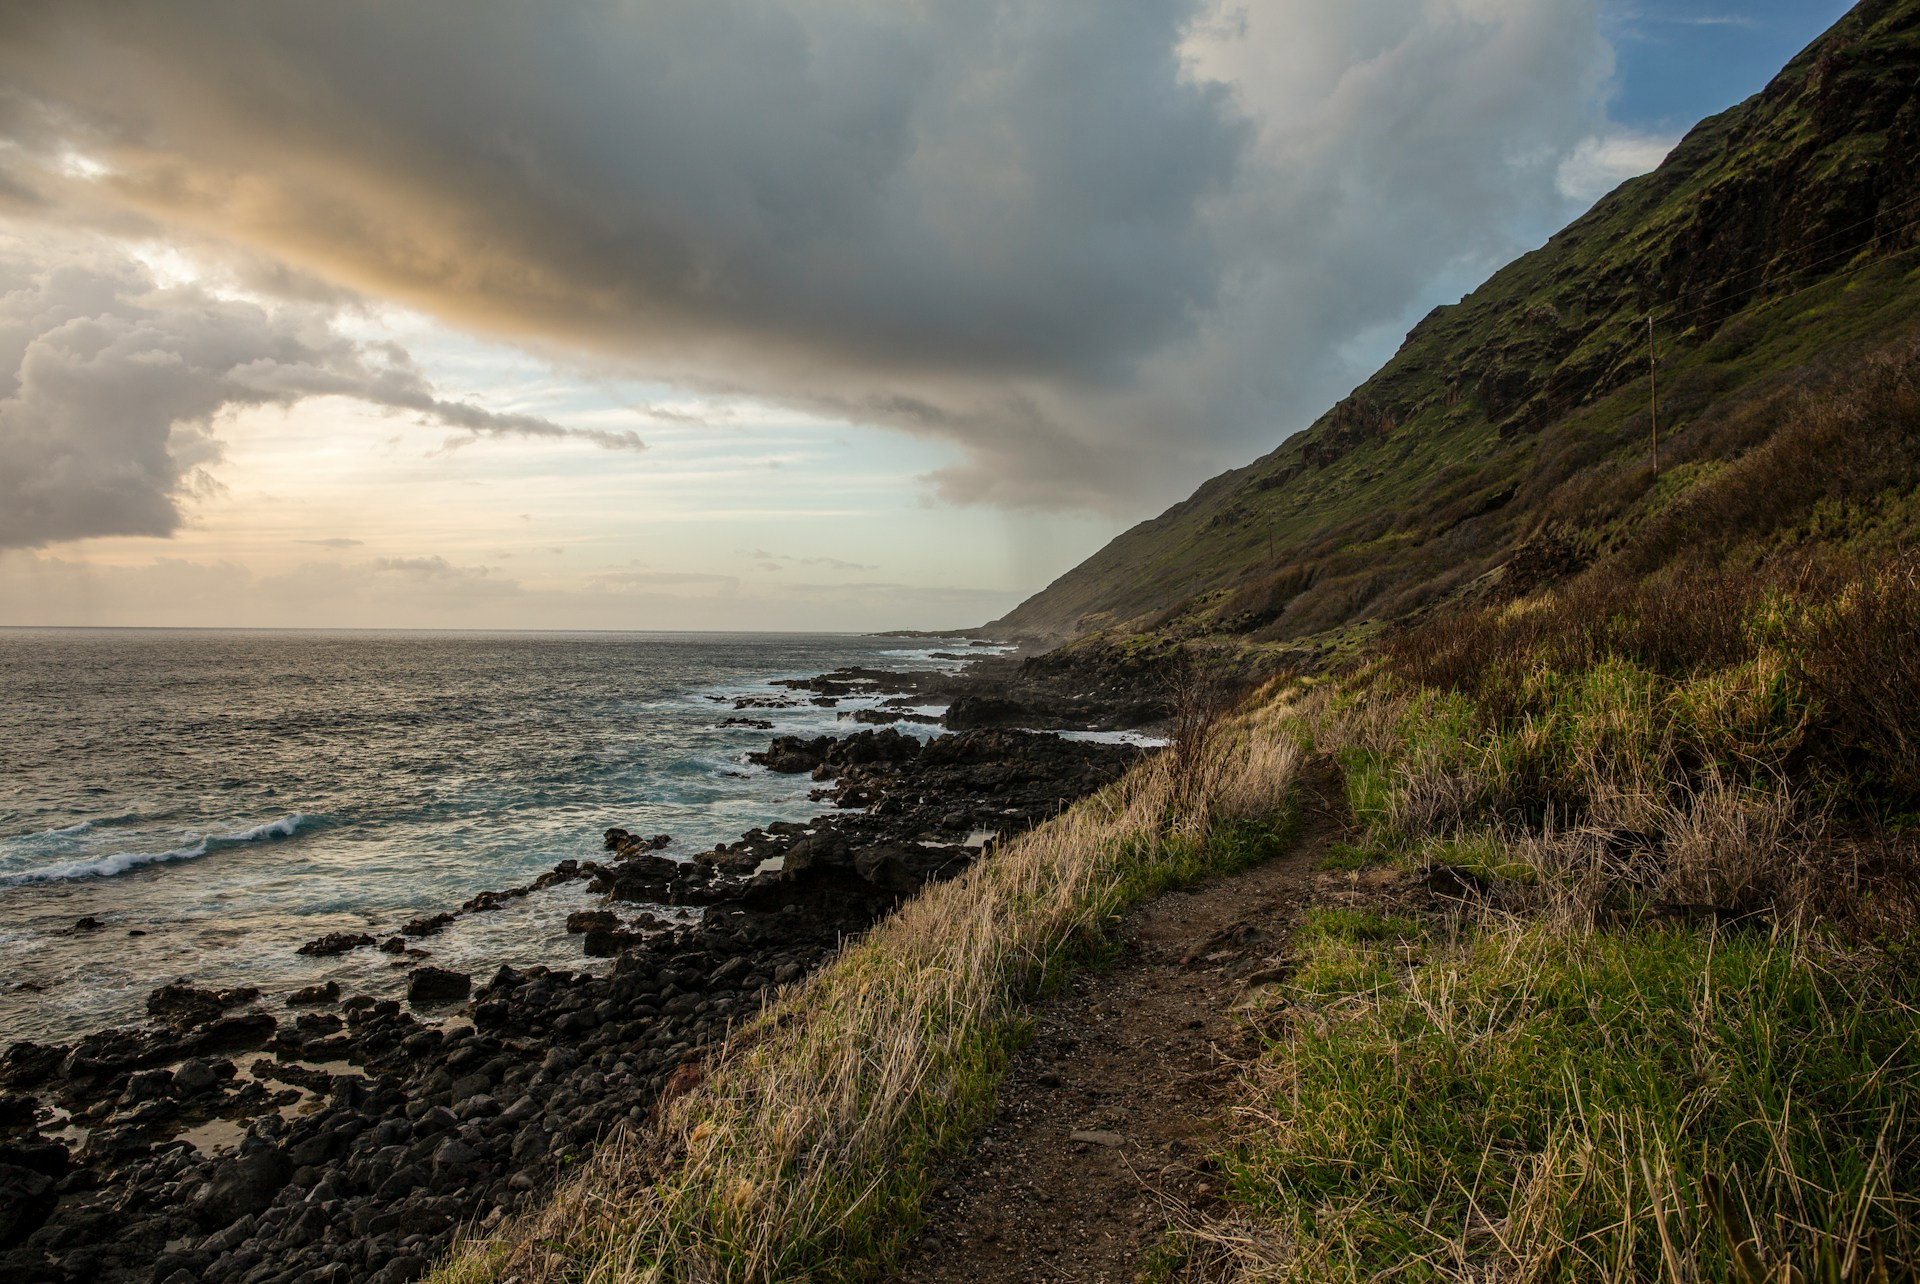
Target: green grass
(1359, 925)
(1573, 1108)
(1348, 857)
(1565, 1078)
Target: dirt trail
(1105, 1117)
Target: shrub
(1860, 656)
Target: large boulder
(791, 755)
(241, 1186)
(180, 1004)
(433, 985)
(971, 712)
(29, 1063)
(904, 869)
(26, 1199)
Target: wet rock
(241, 1186)
(27, 1064)
(179, 1004)
(971, 713)
(903, 869)
(315, 995)
(194, 1076)
(588, 920)
(26, 1199)
(433, 985)
(234, 1033)
(334, 943)
(112, 1147)
(48, 1158)
(791, 755)
(427, 925)
(147, 1086)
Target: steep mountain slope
(1775, 246)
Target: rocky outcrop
(362, 1132)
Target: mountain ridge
(1775, 239)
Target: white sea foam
(79, 830)
(191, 848)
(1139, 738)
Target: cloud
(628, 581)
(1601, 163)
(337, 542)
(771, 561)
(110, 386)
(1103, 248)
(45, 589)
(429, 568)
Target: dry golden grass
(807, 1151)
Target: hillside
(1564, 932)
(1775, 249)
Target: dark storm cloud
(802, 175)
(109, 387)
(1103, 245)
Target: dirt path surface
(1106, 1117)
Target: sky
(740, 314)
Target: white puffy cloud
(110, 386)
(1104, 246)
(1601, 163)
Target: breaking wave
(192, 849)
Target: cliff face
(1779, 235)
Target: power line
(1671, 315)
(1834, 235)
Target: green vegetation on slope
(1776, 243)
(1663, 1022)
(1636, 999)
(1650, 1104)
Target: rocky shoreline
(346, 1138)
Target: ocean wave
(79, 830)
(190, 849)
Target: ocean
(214, 799)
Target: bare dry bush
(1433, 797)
(1861, 658)
(1742, 848)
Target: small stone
(1097, 1137)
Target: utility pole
(1653, 388)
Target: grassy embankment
(809, 1150)
(1667, 1029)
(1669, 1025)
